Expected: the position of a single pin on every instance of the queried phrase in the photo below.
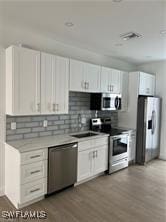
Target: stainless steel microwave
(105, 101)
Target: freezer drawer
(62, 167)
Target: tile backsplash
(32, 126)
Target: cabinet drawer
(84, 145)
(100, 142)
(33, 171)
(92, 143)
(34, 156)
(33, 190)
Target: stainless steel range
(118, 146)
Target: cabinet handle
(32, 191)
(36, 156)
(37, 171)
(96, 153)
(147, 90)
(38, 107)
(87, 85)
(83, 84)
(57, 107)
(53, 107)
(110, 88)
(93, 154)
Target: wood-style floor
(136, 194)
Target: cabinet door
(26, 81)
(77, 81)
(146, 84)
(115, 81)
(105, 81)
(100, 160)
(84, 164)
(47, 83)
(62, 84)
(92, 77)
(54, 84)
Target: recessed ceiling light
(163, 32)
(118, 44)
(69, 24)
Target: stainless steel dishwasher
(62, 167)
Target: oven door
(118, 147)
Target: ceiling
(97, 25)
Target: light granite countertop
(49, 141)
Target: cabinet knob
(38, 107)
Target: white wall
(160, 69)
(2, 118)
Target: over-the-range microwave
(105, 101)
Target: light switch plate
(13, 125)
(45, 123)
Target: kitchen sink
(82, 135)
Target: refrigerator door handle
(153, 122)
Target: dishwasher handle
(63, 147)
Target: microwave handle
(116, 102)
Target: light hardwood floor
(136, 194)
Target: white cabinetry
(110, 80)
(84, 77)
(92, 158)
(22, 81)
(54, 84)
(25, 175)
(139, 84)
(146, 84)
(132, 146)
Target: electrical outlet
(13, 125)
(45, 123)
(83, 120)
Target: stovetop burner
(113, 131)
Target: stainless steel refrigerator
(148, 129)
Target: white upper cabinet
(84, 77)
(22, 81)
(92, 77)
(110, 80)
(146, 84)
(77, 82)
(54, 84)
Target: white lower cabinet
(25, 175)
(92, 158)
(84, 164)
